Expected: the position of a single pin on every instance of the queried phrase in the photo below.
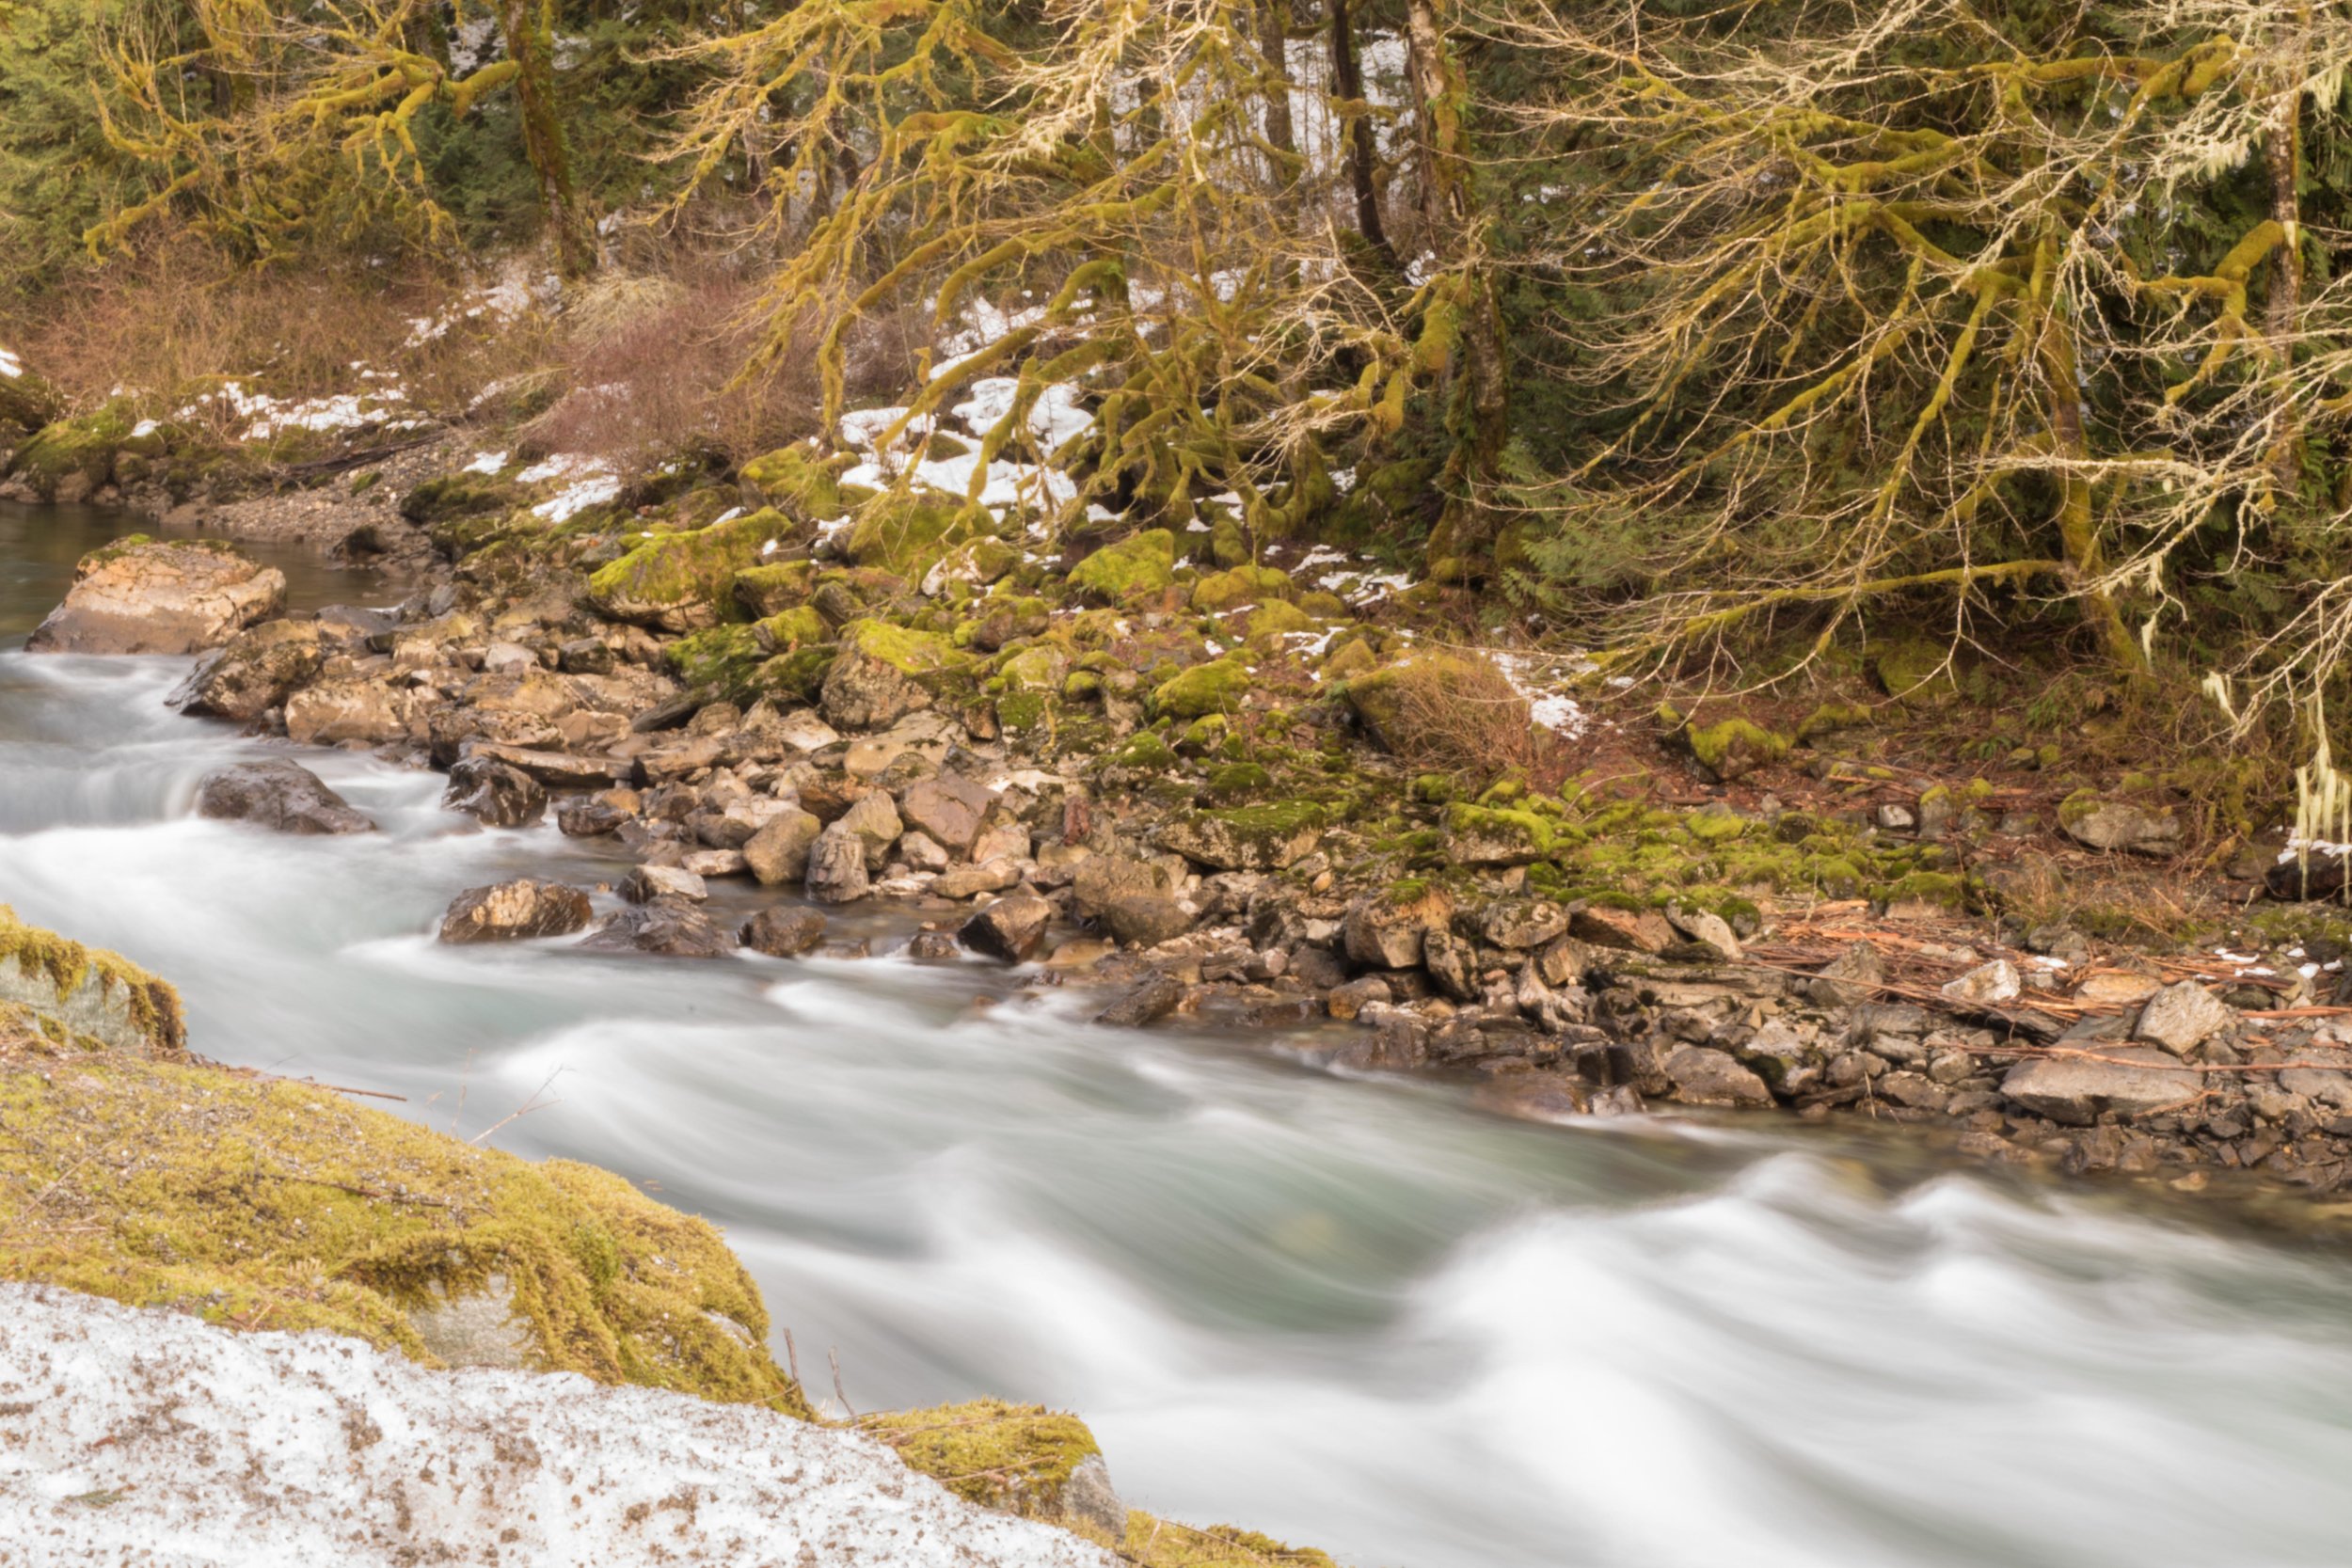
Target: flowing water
(1358, 1313)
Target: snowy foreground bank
(131, 1436)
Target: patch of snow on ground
(269, 416)
(486, 463)
(577, 497)
(159, 1439)
(10, 366)
(1534, 678)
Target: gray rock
(1628, 930)
(512, 911)
(1850, 978)
(254, 673)
(1146, 919)
(949, 808)
(1242, 840)
(1705, 1076)
(585, 656)
(923, 853)
(2073, 1090)
(1349, 1001)
(1010, 928)
(1518, 923)
(278, 795)
(2180, 1018)
(836, 866)
(494, 794)
(965, 881)
(587, 815)
(1101, 879)
(1087, 1498)
(778, 853)
(1705, 926)
(2120, 825)
(667, 928)
(1152, 1000)
(1451, 963)
(1987, 985)
(785, 931)
(874, 822)
(862, 692)
(1381, 931)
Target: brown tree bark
(1363, 153)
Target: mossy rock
(1349, 659)
(1145, 564)
(1830, 718)
(1215, 688)
(905, 534)
(792, 679)
(72, 997)
(1014, 1458)
(1378, 697)
(1278, 619)
(1220, 592)
(1041, 667)
(74, 455)
(1486, 835)
(1252, 838)
(1732, 748)
(683, 582)
(454, 496)
(1228, 541)
(1236, 782)
(764, 590)
(803, 486)
(908, 650)
(27, 401)
(255, 1203)
(1915, 671)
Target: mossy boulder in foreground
(1129, 569)
(682, 581)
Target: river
(1362, 1314)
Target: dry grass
(1461, 716)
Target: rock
(949, 808)
(587, 815)
(2180, 1018)
(1451, 963)
(785, 931)
(1008, 841)
(511, 911)
(778, 853)
(933, 947)
(1628, 930)
(1146, 919)
(1703, 1076)
(494, 794)
(332, 712)
(1707, 927)
(836, 866)
(138, 595)
(1010, 928)
(1987, 985)
(1252, 838)
(256, 672)
(1851, 978)
(283, 796)
(1349, 1001)
(646, 884)
(2116, 988)
(678, 581)
(965, 881)
(1384, 930)
(558, 769)
(1101, 879)
(878, 677)
(923, 853)
(875, 822)
(1522, 924)
(713, 862)
(1152, 1000)
(2104, 824)
(1143, 563)
(2076, 1092)
(665, 927)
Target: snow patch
(10, 366)
(161, 1439)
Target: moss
(1349, 659)
(1278, 619)
(280, 1204)
(28, 402)
(1215, 688)
(905, 534)
(795, 679)
(1145, 564)
(1082, 685)
(1432, 789)
(1830, 718)
(1239, 781)
(151, 1007)
(1153, 1542)
(1915, 671)
(766, 590)
(1943, 889)
(1203, 736)
(2077, 806)
(1229, 543)
(1022, 710)
(722, 657)
(83, 446)
(1016, 1458)
(1222, 591)
(803, 486)
(1145, 752)
(1735, 746)
(913, 651)
(1039, 668)
(686, 575)
(792, 628)
(1716, 828)
(1484, 835)
(454, 496)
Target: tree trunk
(531, 44)
(1274, 43)
(1362, 152)
(2283, 152)
(2077, 521)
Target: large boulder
(280, 795)
(778, 853)
(140, 595)
(258, 669)
(2120, 825)
(333, 712)
(667, 928)
(836, 866)
(1252, 838)
(1010, 928)
(880, 674)
(950, 807)
(86, 997)
(512, 911)
(2130, 1081)
(782, 932)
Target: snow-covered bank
(147, 1436)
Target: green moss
(83, 446)
(721, 657)
(795, 679)
(1039, 668)
(1714, 828)
(1734, 745)
(1222, 591)
(1143, 564)
(1229, 543)
(1015, 1458)
(271, 1204)
(791, 629)
(1943, 889)
(1915, 671)
(1432, 789)
(1144, 751)
(1832, 717)
(1484, 835)
(1022, 710)
(1278, 619)
(1239, 781)
(1215, 688)
(685, 577)
(151, 1006)
(803, 486)
(2077, 807)
(766, 590)
(1203, 736)
(914, 653)
(452, 497)
(905, 534)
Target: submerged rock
(1150, 1001)
(665, 927)
(782, 932)
(1010, 928)
(494, 794)
(140, 595)
(280, 795)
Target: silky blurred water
(1361, 1314)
